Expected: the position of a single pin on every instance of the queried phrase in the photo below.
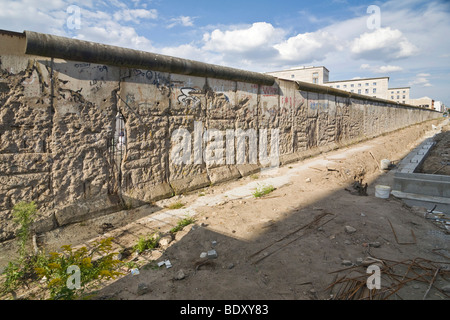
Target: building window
(374, 83)
(398, 97)
(392, 97)
(359, 84)
(345, 86)
(315, 77)
(352, 91)
(338, 86)
(367, 84)
(404, 91)
(352, 85)
(392, 92)
(367, 91)
(404, 97)
(403, 101)
(398, 91)
(374, 90)
(331, 86)
(292, 76)
(359, 91)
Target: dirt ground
(312, 238)
(438, 160)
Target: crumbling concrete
(59, 133)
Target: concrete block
(158, 192)
(223, 173)
(212, 254)
(248, 169)
(190, 183)
(408, 168)
(417, 159)
(85, 210)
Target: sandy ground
(297, 242)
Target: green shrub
(55, 268)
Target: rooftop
(360, 79)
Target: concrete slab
(418, 189)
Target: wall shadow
(292, 254)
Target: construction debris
(395, 235)
(439, 218)
(350, 229)
(166, 263)
(395, 275)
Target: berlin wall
(61, 125)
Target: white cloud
(381, 69)
(382, 44)
(262, 42)
(306, 47)
(22, 15)
(257, 36)
(192, 52)
(421, 80)
(135, 14)
(182, 20)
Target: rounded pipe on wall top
(47, 45)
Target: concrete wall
(58, 122)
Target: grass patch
(147, 243)
(176, 205)
(182, 223)
(262, 191)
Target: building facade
(400, 95)
(424, 102)
(373, 87)
(316, 75)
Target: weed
(24, 214)
(176, 205)
(54, 269)
(145, 243)
(262, 191)
(182, 223)
(20, 270)
(131, 265)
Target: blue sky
(410, 44)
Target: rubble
(350, 229)
(142, 289)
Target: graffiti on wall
(186, 98)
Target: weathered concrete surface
(58, 132)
